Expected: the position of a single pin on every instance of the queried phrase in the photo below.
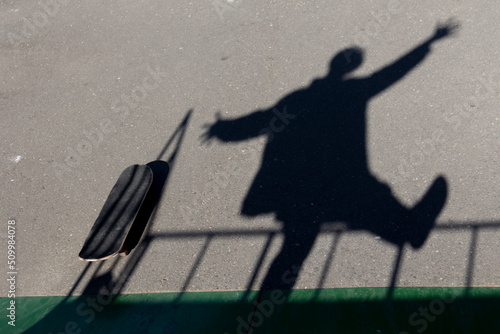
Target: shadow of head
(345, 62)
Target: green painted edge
(347, 310)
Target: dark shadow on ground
(160, 171)
(314, 167)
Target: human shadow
(315, 169)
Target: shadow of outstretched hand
(211, 129)
(447, 29)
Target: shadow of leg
(285, 268)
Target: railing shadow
(371, 310)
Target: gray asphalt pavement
(87, 89)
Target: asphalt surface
(87, 89)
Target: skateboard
(107, 236)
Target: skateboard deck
(107, 236)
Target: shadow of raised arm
(390, 74)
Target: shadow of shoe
(423, 215)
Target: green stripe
(357, 310)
